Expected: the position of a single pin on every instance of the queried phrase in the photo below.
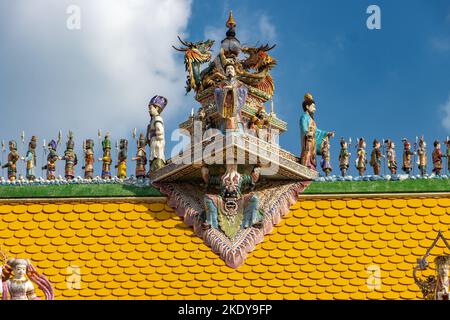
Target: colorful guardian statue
(122, 159)
(311, 137)
(361, 159)
(391, 157)
(13, 157)
(344, 157)
(437, 156)
(231, 210)
(230, 97)
(70, 157)
(422, 154)
(17, 278)
(375, 158)
(407, 153)
(106, 159)
(51, 160)
(89, 159)
(141, 158)
(258, 122)
(30, 159)
(325, 151)
(155, 133)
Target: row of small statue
(389, 155)
(71, 159)
(154, 138)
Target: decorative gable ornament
(233, 182)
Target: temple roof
(322, 249)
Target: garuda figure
(361, 159)
(407, 153)
(437, 158)
(30, 159)
(155, 133)
(70, 157)
(391, 157)
(106, 159)
(325, 162)
(422, 156)
(375, 157)
(231, 210)
(51, 160)
(141, 158)
(311, 137)
(89, 159)
(122, 159)
(13, 157)
(344, 157)
(17, 278)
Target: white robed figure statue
(155, 133)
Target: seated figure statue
(16, 282)
(231, 211)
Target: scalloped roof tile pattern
(323, 249)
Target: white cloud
(100, 76)
(441, 44)
(267, 28)
(446, 109)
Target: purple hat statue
(52, 144)
(158, 101)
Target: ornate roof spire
(231, 23)
(230, 44)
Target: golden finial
(308, 97)
(230, 22)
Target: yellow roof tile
(330, 213)
(444, 202)
(338, 204)
(34, 208)
(338, 221)
(377, 212)
(399, 203)
(339, 237)
(369, 203)
(361, 212)
(323, 204)
(307, 204)
(384, 203)
(430, 202)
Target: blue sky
(388, 83)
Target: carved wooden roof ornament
(434, 287)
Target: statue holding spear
(447, 154)
(3, 151)
(414, 154)
(422, 156)
(44, 156)
(22, 138)
(141, 156)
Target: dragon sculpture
(261, 62)
(196, 54)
